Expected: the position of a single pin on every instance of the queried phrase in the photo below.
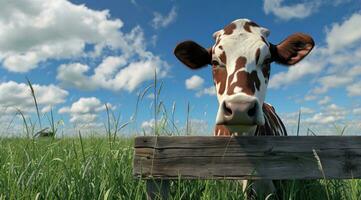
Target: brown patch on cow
(223, 57)
(245, 81)
(221, 47)
(249, 82)
(220, 77)
(247, 26)
(258, 53)
(228, 30)
(266, 70)
(240, 63)
(221, 130)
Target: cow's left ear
(293, 49)
(192, 54)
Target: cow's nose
(240, 112)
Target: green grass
(71, 168)
(51, 167)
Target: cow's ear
(192, 54)
(293, 49)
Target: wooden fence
(160, 158)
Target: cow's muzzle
(244, 110)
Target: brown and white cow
(240, 61)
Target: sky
(81, 55)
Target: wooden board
(247, 157)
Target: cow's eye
(215, 63)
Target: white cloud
(112, 74)
(293, 74)
(331, 81)
(343, 35)
(300, 10)
(310, 97)
(306, 110)
(195, 82)
(160, 21)
(354, 89)
(335, 65)
(85, 110)
(339, 79)
(34, 31)
(324, 100)
(147, 126)
(15, 95)
(330, 114)
(323, 118)
(198, 127)
(333, 108)
(211, 91)
(356, 111)
(74, 75)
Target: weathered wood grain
(248, 157)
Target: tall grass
(101, 168)
(86, 168)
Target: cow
(240, 60)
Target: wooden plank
(247, 157)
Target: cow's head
(240, 60)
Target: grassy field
(94, 168)
(53, 167)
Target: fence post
(157, 189)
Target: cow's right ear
(192, 54)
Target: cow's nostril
(251, 112)
(227, 110)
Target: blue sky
(82, 54)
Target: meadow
(44, 165)
(97, 168)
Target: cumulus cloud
(74, 75)
(211, 91)
(299, 10)
(85, 110)
(338, 61)
(354, 89)
(34, 31)
(293, 74)
(148, 126)
(15, 96)
(324, 100)
(357, 111)
(161, 21)
(330, 114)
(193, 83)
(306, 110)
(112, 74)
(344, 34)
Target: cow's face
(240, 60)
